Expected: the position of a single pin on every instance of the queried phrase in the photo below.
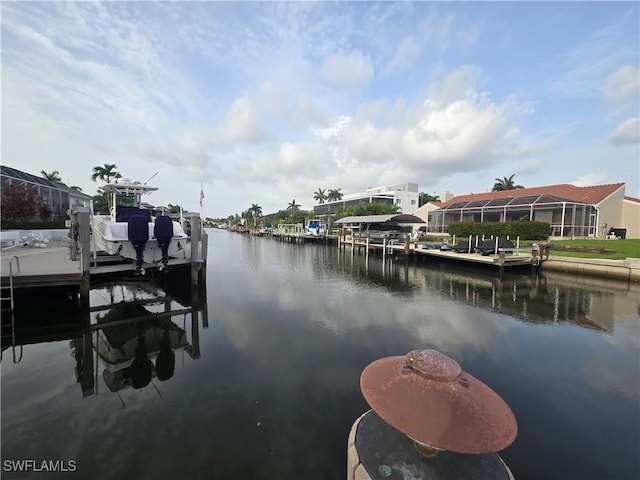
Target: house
(405, 196)
(571, 211)
(424, 213)
(631, 216)
(58, 196)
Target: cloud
(588, 179)
(405, 56)
(458, 126)
(529, 166)
(623, 86)
(627, 133)
(351, 71)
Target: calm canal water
(265, 379)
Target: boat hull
(112, 238)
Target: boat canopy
(128, 188)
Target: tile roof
(632, 199)
(590, 195)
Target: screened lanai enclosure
(567, 218)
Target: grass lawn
(596, 248)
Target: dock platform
(501, 259)
(507, 260)
(52, 267)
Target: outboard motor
(163, 231)
(138, 234)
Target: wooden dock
(507, 259)
(68, 266)
(500, 260)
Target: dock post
(84, 249)
(73, 245)
(202, 272)
(407, 239)
(195, 247)
(366, 251)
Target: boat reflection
(135, 335)
(131, 333)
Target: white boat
(129, 230)
(315, 227)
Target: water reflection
(290, 328)
(547, 298)
(131, 333)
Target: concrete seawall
(628, 269)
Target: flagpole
(201, 203)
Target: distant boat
(130, 231)
(315, 228)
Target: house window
(398, 201)
(413, 202)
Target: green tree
(373, 208)
(427, 197)
(334, 194)
(173, 208)
(106, 173)
(293, 216)
(505, 183)
(293, 205)
(101, 202)
(320, 196)
(256, 210)
(53, 176)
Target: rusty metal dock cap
(427, 396)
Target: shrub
(524, 229)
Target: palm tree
(293, 205)
(427, 197)
(320, 195)
(52, 176)
(76, 188)
(256, 210)
(505, 184)
(334, 194)
(106, 173)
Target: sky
(266, 102)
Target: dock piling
(195, 247)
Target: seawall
(628, 269)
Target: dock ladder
(8, 297)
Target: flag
(201, 195)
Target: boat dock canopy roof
(390, 219)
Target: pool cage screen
(566, 217)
